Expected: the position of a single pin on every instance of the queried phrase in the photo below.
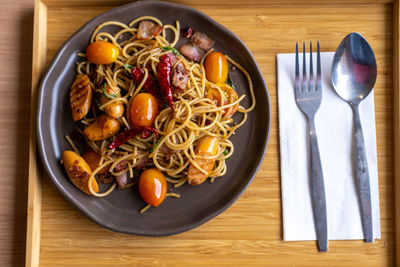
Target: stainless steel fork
(308, 98)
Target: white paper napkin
(335, 130)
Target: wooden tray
(249, 232)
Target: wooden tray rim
(38, 63)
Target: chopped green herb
(230, 82)
(226, 152)
(196, 137)
(155, 146)
(98, 104)
(127, 68)
(173, 50)
(110, 96)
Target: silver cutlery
(353, 77)
(308, 96)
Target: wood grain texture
(79, 3)
(249, 232)
(396, 122)
(35, 185)
(16, 18)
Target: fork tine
(311, 63)
(319, 85)
(297, 60)
(304, 83)
(297, 80)
(311, 81)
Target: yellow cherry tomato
(143, 110)
(102, 52)
(152, 187)
(229, 94)
(216, 67)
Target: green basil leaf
(109, 96)
(155, 146)
(173, 50)
(127, 68)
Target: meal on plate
(146, 109)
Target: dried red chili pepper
(164, 79)
(146, 131)
(187, 32)
(125, 136)
(148, 67)
(149, 85)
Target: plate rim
(41, 142)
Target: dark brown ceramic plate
(198, 204)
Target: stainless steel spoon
(353, 77)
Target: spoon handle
(364, 191)
(318, 190)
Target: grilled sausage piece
(80, 96)
(102, 128)
(207, 147)
(148, 30)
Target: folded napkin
(335, 132)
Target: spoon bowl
(353, 77)
(354, 68)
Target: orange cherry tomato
(152, 187)
(216, 67)
(230, 96)
(143, 110)
(102, 52)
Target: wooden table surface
(16, 27)
(16, 22)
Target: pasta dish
(150, 113)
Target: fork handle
(318, 191)
(363, 185)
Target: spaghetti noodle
(194, 114)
